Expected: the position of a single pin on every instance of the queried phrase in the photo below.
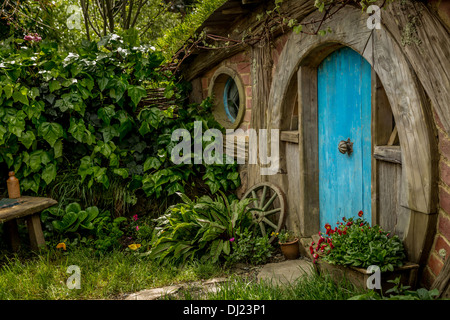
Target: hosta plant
(353, 242)
(204, 228)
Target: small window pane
(231, 100)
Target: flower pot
(290, 250)
(359, 276)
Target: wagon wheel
(268, 207)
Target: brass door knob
(345, 147)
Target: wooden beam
(37, 240)
(289, 136)
(388, 153)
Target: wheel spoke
(263, 196)
(263, 209)
(255, 202)
(270, 223)
(268, 213)
(263, 229)
(270, 201)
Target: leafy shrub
(248, 248)
(355, 243)
(82, 112)
(89, 226)
(203, 229)
(399, 292)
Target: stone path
(279, 273)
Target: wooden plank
(293, 185)
(308, 151)
(388, 177)
(427, 49)
(29, 206)
(289, 136)
(35, 233)
(393, 137)
(388, 153)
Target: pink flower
(137, 228)
(231, 239)
(135, 217)
(28, 38)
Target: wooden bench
(28, 208)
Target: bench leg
(37, 240)
(12, 234)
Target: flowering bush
(355, 243)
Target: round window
(228, 93)
(231, 100)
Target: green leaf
(106, 113)
(54, 85)
(27, 139)
(21, 96)
(109, 133)
(136, 93)
(57, 149)
(152, 163)
(73, 207)
(102, 83)
(121, 172)
(8, 89)
(49, 173)
(51, 132)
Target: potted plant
(353, 245)
(289, 244)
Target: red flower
(360, 214)
(327, 226)
(311, 249)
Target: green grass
(107, 276)
(311, 287)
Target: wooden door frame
(411, 109)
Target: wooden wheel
(268, 207)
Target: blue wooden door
(344, 111)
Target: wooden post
(37, 240)
(12, 234)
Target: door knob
(345, 147)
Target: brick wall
(441, 247)
(241, 63)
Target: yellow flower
(61, 245)
(134, 246)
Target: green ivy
(82, 111)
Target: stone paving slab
(285, 272)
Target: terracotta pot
(290, 250)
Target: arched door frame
(410, 107)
